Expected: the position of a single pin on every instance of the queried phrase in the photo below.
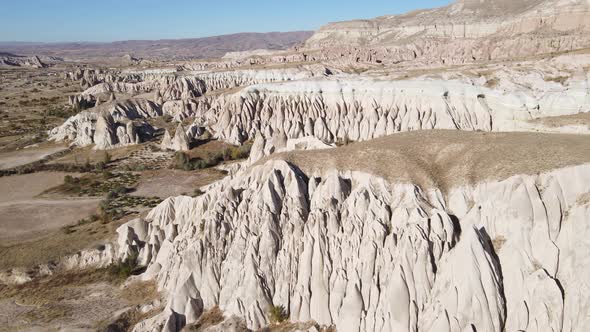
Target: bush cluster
(182, 160)
(124, 269)
(277, 314)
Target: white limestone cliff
(363, 253)
(180, 141)
(112, 124)
(362, 108)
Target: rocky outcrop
(180, 142)
(263, 147)
(99, 257)
(361, 108)
(354, 250)
(182, 109)
(243, 77)
(463, 32)
(189, 85)
(11, 60)
(112, 124)
(109, 134)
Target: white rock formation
(11, 60)
(280, 143)
(112, 124)
(363, 108)
(180, 142)
(465, 31)
(194, 84)
(366, 254)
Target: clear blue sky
(108, 20)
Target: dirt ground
(26, 156)
(580, 119)
(32, 101)
(75, 301)
(169, 182)
(24, 216)
(449, 158)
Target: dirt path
(26, 156)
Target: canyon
(427, 171)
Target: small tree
(181, 161)
(277, 314)
(68, 179)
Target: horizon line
(140, 40)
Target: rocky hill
(419, 172)
(462, 32)
(491, 239)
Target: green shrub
(138, 168)
(206, 136)
(68, 179)
(100, 166)
(124, 269)
(277, 314)
(227, 154)
(106, 158)
(69, 229)
(213, 159)
(241, 152)
(181, 161)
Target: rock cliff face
(177, 96)
(347, 107)
(11, 60)
(187, 85)
(365, 253)
(361, 109)
(180, 142)
(112, 124)
(465, 31)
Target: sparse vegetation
(184, 162)
(209, 318)
(106, 157)
(122, 270)
(277, 314)
(498, 242)
(206, 136)
(557, 79)
(492, 83)
(61, 112)
(344, 141)
(115, 187)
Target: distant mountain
(207, 47)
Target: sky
(111, 20)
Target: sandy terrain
(580, 119)
(27, 156)
(24, 215)
(166, 183)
